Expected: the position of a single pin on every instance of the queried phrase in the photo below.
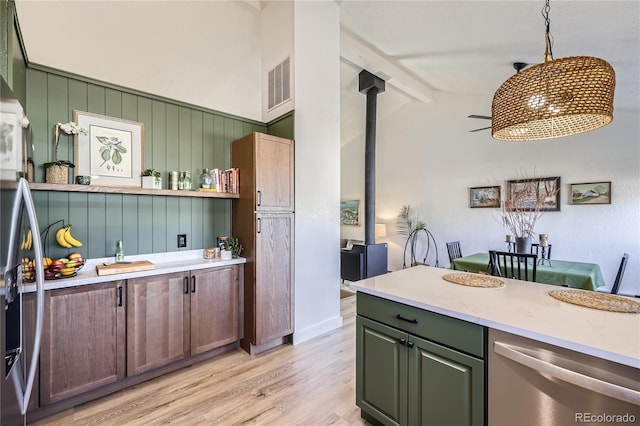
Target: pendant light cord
(548, 53)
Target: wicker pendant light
(556, 98)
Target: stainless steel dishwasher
(533, 383)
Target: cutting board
(123, 268)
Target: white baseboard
(316, 330)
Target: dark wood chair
(520, 266)
(494, 267)
(540, 251)
(453, 248)
(623, 266)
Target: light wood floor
(312, 383)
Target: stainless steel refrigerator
(20, 323)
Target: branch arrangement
(520, 212)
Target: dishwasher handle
(569, 376)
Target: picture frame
(591, 193)
(484, 196)
(11, 142)
(111, 152)
(350, 212)
(541, 194)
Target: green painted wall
(176, 137)
(282, 126)
(12, 56)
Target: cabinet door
(215, 317)
(381, 372)
(446, 387)
(273, 290)
(83, 340)
(274, 173)
(157, 321)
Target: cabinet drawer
(455, 333)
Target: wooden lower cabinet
(157, 321)
(99, 338)
(215, 308)
(83, 340)
(174, 316)
(404, 379)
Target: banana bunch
(27, 240)
(65, 239)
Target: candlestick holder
(543, 255)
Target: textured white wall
(276, 39)
(317, 138)
(427, 158)
(85, 38)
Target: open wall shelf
(38, 186)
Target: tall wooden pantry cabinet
(263, 221)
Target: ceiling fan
(517, 66)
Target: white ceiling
(468, 47)
(423, 49)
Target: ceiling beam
(361, 54)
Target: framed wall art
(112, 150)
(536, 194)
(350, 212)
(591, 193)
(484, 196)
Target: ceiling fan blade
(477, 130)
(484, 117)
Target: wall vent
(279, 84)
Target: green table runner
(561, 272)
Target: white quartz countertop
(521, 308)
(165, 263)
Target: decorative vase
(57, 174)
(523, 245)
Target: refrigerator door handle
(23, 388)
(542, 367)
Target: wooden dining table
(566, 273)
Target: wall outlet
(182, 240)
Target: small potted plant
(57, 171)
(151, 179)
(235, 247)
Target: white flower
(72, 128)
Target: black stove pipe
(370, 85)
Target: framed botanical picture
(11, 145)
(536, 194)
(591, 193)
(350, 212)
(112, 150)
(484, 196)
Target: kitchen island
(419, 325)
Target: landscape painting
(350, 212)
(591, 193)
(486, 196)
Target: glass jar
(187, 181)
(181, 181)
(205, 179)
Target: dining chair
(540, 251)
(623, 266)
(519, 266)
(453, 248)
(494, 268)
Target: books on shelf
(225, 180)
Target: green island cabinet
(415, 367)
